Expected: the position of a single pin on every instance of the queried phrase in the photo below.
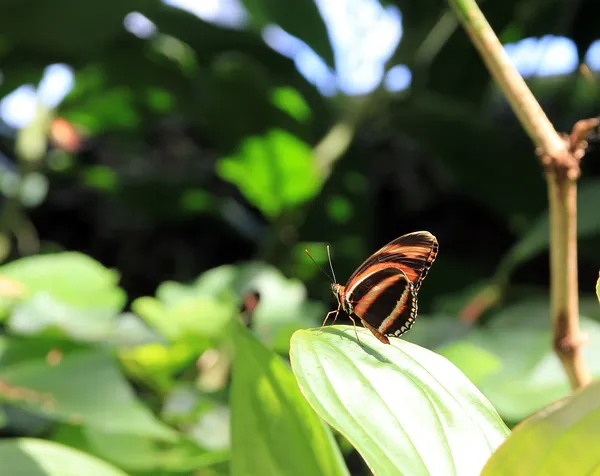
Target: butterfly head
(338, 291)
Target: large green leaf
(69, 277)
(188, 319)
(79, 387)
(273, 428)
(511, 359)
(138, 453)
(300, 18)
(406, 409)
(561, 439)
(284, 306)
(273, 172)
(32, 457)
(536, 239)
(43, 313)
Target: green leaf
(33, 457)
(300, 18)
(138, 453)
(536, 239)
(188, 318)
(405, 409)
(291, 101)
(274, 430)
(82, 387)
(274, 172)
(69, 277)
(511, 360)
(44, 313)
(561, 439)
(598, 289)
(284, 306)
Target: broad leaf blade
(510, 359)
(274, 172)
(561, 439)
(274, 430)
(83, 387)
(406, 409)
(34, 457)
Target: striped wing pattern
(383, 290)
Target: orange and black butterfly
(382, 292)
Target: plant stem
(562, 196)
(562, 171)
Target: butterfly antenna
(331, 264)
(318, 266)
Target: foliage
(270, 417)
(548, 441)
(380, 396)
(184, 176)
(39, 457)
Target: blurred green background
(160, 163)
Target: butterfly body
(382, 292)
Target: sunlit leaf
(72, 278)
(291, 101)
(273, 172)
(511, 359)
(158, 364)
(274, 430)
(138, 453)
(283, 307)
(598, 289)
(33, 457)
(80, 387)
(406, 409)
(192, 316)
(44, 313)
(563, 438)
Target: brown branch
(560, 157)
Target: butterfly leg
(336, 312)
(355, 333)
(376, 333)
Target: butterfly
(382, 292)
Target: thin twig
(560, 157)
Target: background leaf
(274, 172)
(82, 387)
(404, 408)
(32, 457)
(560, 439)
(71, 278)
(274, 430)
(511, 362)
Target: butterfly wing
(413, 253)
(383, 290)
(385, 298)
